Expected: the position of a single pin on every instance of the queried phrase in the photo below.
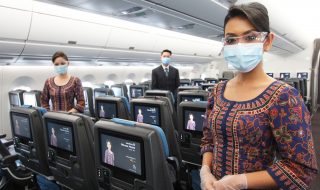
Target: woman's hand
(207, 179)
(231, 182)
(73, 111)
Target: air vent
(5, 58)
(36, 58)
(72, 42)
(133, 10)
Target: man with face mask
(166, 77)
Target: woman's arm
(45, 96)
(79, 96)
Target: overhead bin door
(14, 23)
(130, 39)
(46, 28)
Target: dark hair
(256, 13)
(166, 50)
(59, 54)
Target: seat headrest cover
(124, 122)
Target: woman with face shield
(257, 131)
(63, 88)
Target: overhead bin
(130, 39)
(14, 23)
(11, 48)
(49, 49)
(52, 29)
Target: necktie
(166, 70)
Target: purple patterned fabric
(270, 132)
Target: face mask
(243, 57)
(165, 60)
(61, 69)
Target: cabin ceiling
(203, 19)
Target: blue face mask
(166, 60)
(243, 57)
(61, 69)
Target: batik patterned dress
(270, 132)
(63, 97)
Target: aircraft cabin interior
(159, 94)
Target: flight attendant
(257, 131)
(63, 88)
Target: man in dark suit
(166, 77)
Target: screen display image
(99, 93)
(121, 153)
(136, 92)
(193, 120)
(212, 81)
(191, 98)
(117, 91)
(198, 83)
(270, 74)
(29, 99)
(284, 75)
(147, 114)
(21, 125)
(302, 75)
(107, 110)
(60, 136)
(14, 100)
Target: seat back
(192, 96)
(157, 111)
(211, 80)
(197, 82)
(191, 117)
(206, 86)
(164, 93)
(32, 98)
(183, 88)
(137, 91)
(131, 155)
(185, 82)
(109, 107)
(69, 146)
(16, 98)
(29, 141)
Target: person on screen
(257, 130)
(17, 127)
(133, 93)
(63, 88)
(108, 154)
(53, 138)
(101, 112)
(191, 125)
(140, 116)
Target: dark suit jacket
(161, 82)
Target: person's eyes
(250, 37)
(230, 40)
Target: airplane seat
(100, 92)
(191, 116)
(147, 84)
(32, 98)
(211, 80)
(197, 82)
(109, 107)
(156, 111)
(137, 91)
(120, 90)
(16, 98)
(28, 136)
(185, 82)
(131, 155)
(228, 74)
(164, 93)
(192, 96)
(69, 147)
(183, 88)
(206, 86)
(223, 79)
(109, 92)
(88, 99)
(305, 88)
